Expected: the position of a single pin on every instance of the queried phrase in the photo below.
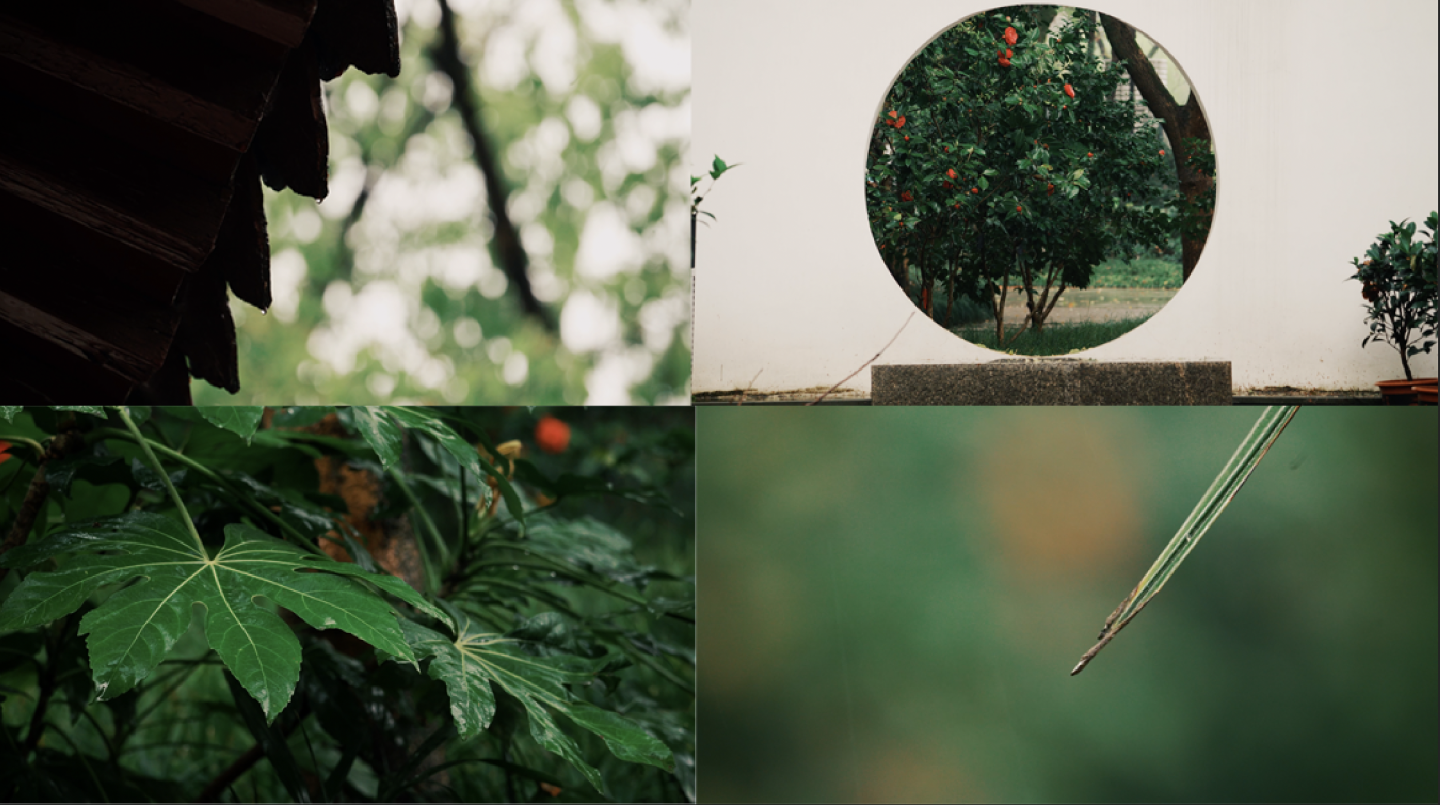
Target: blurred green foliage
(397, 299)
(894, 599)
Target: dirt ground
(1095, 304)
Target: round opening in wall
(1040, 179)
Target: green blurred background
(893, 600)
(387, 292)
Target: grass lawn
(1143, 272)
(1055, 339)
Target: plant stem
(1224, 488)
(30, 443)
(235, 493)
(643, 658)
(164, 477)
(48, 683)
(432, 535)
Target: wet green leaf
(240, 420)
(92, 410)
(475, 659)
(133, 630)
(379, 432)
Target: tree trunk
(1180, 123)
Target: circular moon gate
(1023, 184)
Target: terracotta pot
(1425, 390)
(1397, 392)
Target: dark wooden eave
(136, 134)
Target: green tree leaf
(240, 420)
(474, 659)
(131, 632)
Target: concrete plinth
(1053, 381)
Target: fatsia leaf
(8, 412)
(463, 451)
(474, 659)
(131, 632)
(240, 420)
(588, 543)
(92, 410)
(454, 444)
(376, 428)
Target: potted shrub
(1397, 279)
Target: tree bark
(1180, 123)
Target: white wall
(1325, 123)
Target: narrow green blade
(1222, 491)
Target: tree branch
(223, 780)
(36, 494)
(509, 251)
(242, 764)
(817, 400)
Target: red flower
(900, 124)
(1018, 208)
(552, 435)
(1089, 154)
(974, 190)
(1011, 37)
(1162, 152)
(1009, 54)
(892, 112)
(957, 206)
(907, 138)
(1004, 61)
(951, 172)
(905, 196)
(947, 149)
(1050, 191)
(4, 455)
(1069, 90)
(947, 185)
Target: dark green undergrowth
(1055, 339)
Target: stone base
(1053, 381)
